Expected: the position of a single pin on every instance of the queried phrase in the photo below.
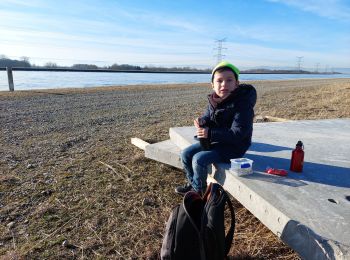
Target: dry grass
(72, 185)
(316, 102)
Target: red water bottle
(297, 161)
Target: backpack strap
(214, 188)
(230, 233)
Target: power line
(317, 66)
(299, 62)
(219, 49)
(54, 59)
(326, 68)
(188, 62)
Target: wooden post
(10, 78)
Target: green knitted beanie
(225, 64)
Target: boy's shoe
(183, 189)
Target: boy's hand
(199, 122)
(202, 132)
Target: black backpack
(196, 229)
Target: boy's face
(224, 83)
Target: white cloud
(250, 55)
(44, 36)
(137, 44)
(334, 9)
(290, 36)
(23, 3)
(158, 20)
(146, 37)
(266, 33)
(76, 54)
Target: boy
(226, 126)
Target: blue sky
(178, 33)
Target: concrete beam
(166, 152)
(310, 211)
(139, 143)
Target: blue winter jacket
(231, 122)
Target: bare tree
(50, 65)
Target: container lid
(241, 160)
(245, 165)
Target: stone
(30, 166)
(11, 224)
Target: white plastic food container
(241, 166)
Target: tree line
(24, 63)
(6, 62)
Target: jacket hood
(244, 93)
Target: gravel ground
(72, 185)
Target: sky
(255, 33)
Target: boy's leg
(186, 159)
(200, 163)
